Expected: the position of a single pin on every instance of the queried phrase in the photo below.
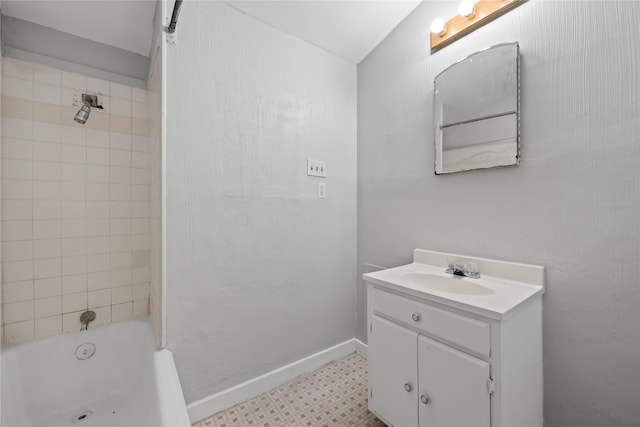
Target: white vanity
(454, 351)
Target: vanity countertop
(489, 296)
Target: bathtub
(108, 376)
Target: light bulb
(438, 27)
(466, 9)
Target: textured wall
(260, 273)
(572, 205)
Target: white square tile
(74, 81)
(120, 175)
(17, 68)
(73, 172)
(140, 226)
(100, 298)
(46, 268)
(74, 302)
(120, 209)
(120, 107)
(74, 284)
(140, 258)
(139, 110)
(120, 158)
(14, 148)
(69, 98)
(46, 248)
(17, 88)
(97, 209)
(17, 271)
(17, 251)
(120, 226)
(18, 311)
(103, 316)
(46, 132)
(18, 291)
(140, 308)
(139, 95)
(140, 143)
(73, 191)
(17, 189)
(97, 191)
(48, 75)
(46, 171)
(48, 326)
(121, 277)
(121, 312)
(71, 321)
(46, 307)
(49, 287)
(140, 176)
(17, 230)
(17, 210)
(140, 291)
(141, 275)
(46, 93)
(97, 173)
(121, 260)
(101, 87)
(46, 190)
(120, 141)
(140, 242)
(17, 169)
(140, 159)
(46, 209)
(73, 210)
(73, 228)
(73, 153)
(46, 151)
(97, 138)
(97, 156)
(121, 294)
(17, 128)
(120, 192)
(97, 263)
(140, 192)
(46, 229)
(73, 247)
(120, 91)
(73, 135)
(99, 244)
(16, 333)
(98, 280)
(74, 265)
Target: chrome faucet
(469, 269)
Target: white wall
(260, 272)
(572, 205)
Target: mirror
(477, 111)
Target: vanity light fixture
(472, 15)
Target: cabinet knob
(415, 317)
(407, 387)
(424, 399)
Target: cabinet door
(393, 372)
(454, 386)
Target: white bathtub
(125, 383)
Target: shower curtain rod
(174, 17)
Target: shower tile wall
(75, 202)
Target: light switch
(317, 168)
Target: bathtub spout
(86, 318)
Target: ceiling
(348, 29)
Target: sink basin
(452, 285)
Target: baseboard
(361, 348)
(215, 403)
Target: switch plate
(316, 168)
(322, 190)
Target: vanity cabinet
(438, 360)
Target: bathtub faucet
(86, 318)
